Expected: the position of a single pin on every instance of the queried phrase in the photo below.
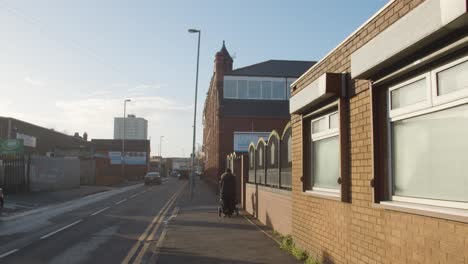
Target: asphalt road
(109, 228)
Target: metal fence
(14, 172)
(270, 161)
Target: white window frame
(436, 103)
(450, 97)
(410, 108)
(330, 132)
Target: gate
(13, 173)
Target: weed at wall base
(287, 244)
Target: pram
(225, 210)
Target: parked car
(153, 178)
(2, 199)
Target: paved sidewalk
(198, 235)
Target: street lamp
(195, 111)
(123, 138)
(160, 145)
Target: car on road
(153, 178)
(2, 199)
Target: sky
(69, 65)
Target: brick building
(244, 103)
(109, 167)
(43, 141)
(380, 139)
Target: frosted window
(254, 89)
(289, 149)
(279, 90)
(334, 121)
(319, 125)
(409, 94)
(260, 156)
(242, 89)
(325, 163)
(266, 89)
(272, 158)
(430, 157)
(453, 79)
(230, 89)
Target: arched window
(260, 156)
(251, 159)
(272, 154)
(289, 148)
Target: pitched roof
(274, 68)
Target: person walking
(227, 189)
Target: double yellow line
(148, 235)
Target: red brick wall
(358, 232)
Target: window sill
(325, 195)
(453, 214)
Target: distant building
(135, 128)
(244, 104)
(109, 160)
(44, 141)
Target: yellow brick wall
(340, 232)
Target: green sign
(11, 146)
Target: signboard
(29, 141)
(115, 157)
(181, 164)
(135, 158)
(131, 158)
(11, 146)
(242, 140)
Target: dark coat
(227, 186)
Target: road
(117, 228)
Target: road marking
(133, 195)
(150, 238)
(121, 201)
(61, 229)
(6, 254)
(100, 211)
(145, 234)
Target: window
(289, 149)
(255, 89)
(428, 142)
(272, 154)
(325, 154)
(230, 89)
(278, 90)
(260, 156)
(242, 89)
(266, 90)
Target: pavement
(137, 224)
(196, 234)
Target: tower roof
(224, 52)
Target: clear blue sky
(68, 65)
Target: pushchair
(227, 208)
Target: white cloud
(33, 82)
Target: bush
(300, 254)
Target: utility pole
(123, 138)
(192, 176)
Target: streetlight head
(128, 100)
(193, 30)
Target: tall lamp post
(194, 113)
(123, 138)
(160, 145)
